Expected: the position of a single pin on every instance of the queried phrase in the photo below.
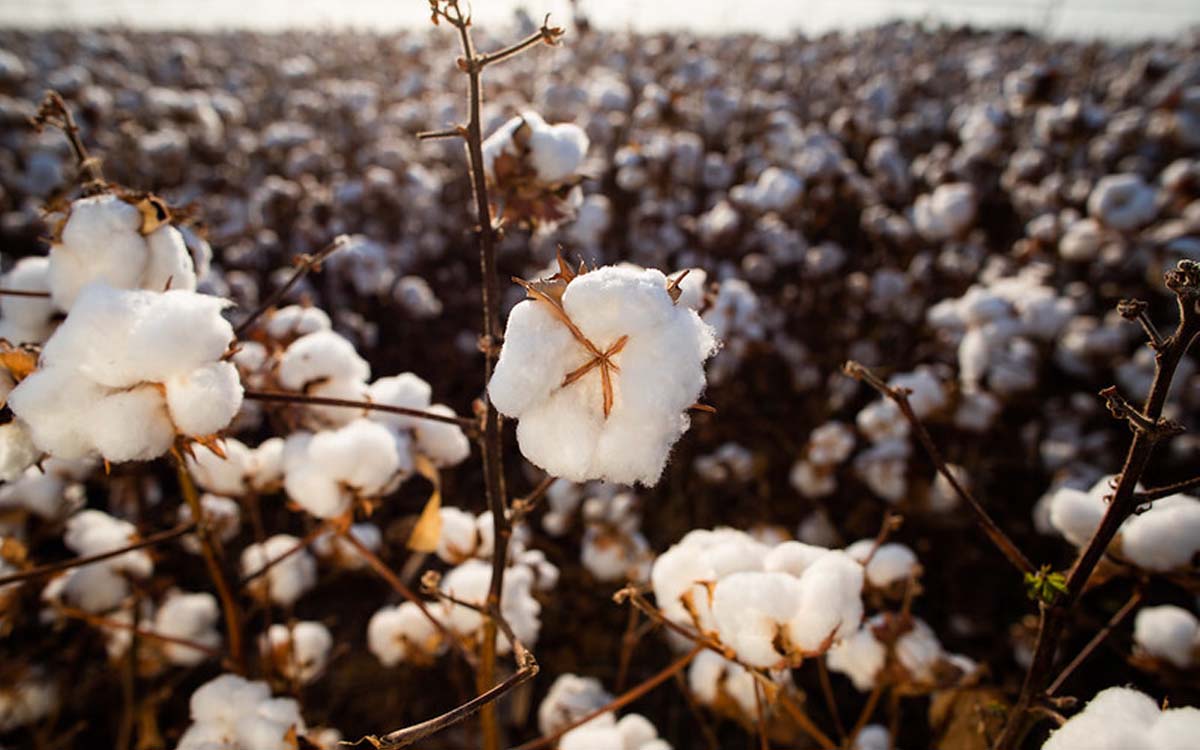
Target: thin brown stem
(619, 702)
(629, 641)
(546, 34)
(1175, 488)
(55, 112)
(301, 398)
(23, 293)
(830, 700)
(1096, 641)
(430, 135)
(58, 567)
(304, 265)
(308, 539)
(208, 548)
(993, 531)
(107, 622)
(523, 506)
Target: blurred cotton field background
(814, 379)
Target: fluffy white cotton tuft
(555, 152)
(190, 617)
(1124, 719)
(232, 713)
(1168, 632)
(299, 651)
(324, 472)
(402, 633)
(569, 699)
(27, 320)
(288, 578)
(563, 428)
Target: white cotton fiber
(830, 605)
(555, 152)
(398, 634)
(27, 320)
(570, 698)
(860, 657)
(751, 609)
(285, 581)
(1168, 632)
(889, 564)
(1125, 719)
(323, 355)
(190, 617)
(204, 400)
(324, 472)
(563, 428)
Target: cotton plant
(127, 373)
(101, 586)
(1162, 539)
(607, 732)
(531, 165)
(1126, 719)
(298, 651)
(599, 368)
(328, 472)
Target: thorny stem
(301, 398)
(472, 64)
(54, 111)
(1184, 280)
(57, 567)
(1099, 638)
(304, 264)
(990, 527)
(620, 701)
(229, 608)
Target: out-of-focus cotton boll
(469, 583)
(775, 190)
(220, 515)
(321, 356)
(102, 242)
(555, 152)
(299, 651)
(889, 563)
(659, 373)
(1123, 201)
(605, 732)
(233, 713)
(947, 212)
(192, 618)
(27, 320)
(1168, 632)
(418, 299)
(860, 657)
(326, 471)
(403, 633)
(28, 701)
(873, 737)
(294, 321)
(569, 699)
(1125, 719)
(288, 578)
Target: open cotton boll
(299, 651)
(445, 444)
(205, 400)
(297, 320)
(919, 651)
(286, 580)
(1164, 538)
(792, 557)
(50, 491)
(102, 241)
(1077, 514)
(830, 602)
(27, 320)
(338, 551)
(1123, 201)
(569, 699)
(469, 583)
(946, 212)
(232, 713)
(891, 562)
(556, 151)
(860, 657)
(406, 390)
(563, 427)
(751, 610)
(679, 575)
(221, 516)
(17, 451)
(97, 389)
(322, 355)
(189, 617)
(1124, 719)
(711, 677)
(873, 737)
(1168, 632)
(324, 472)
(402, 633)
(459, 539)
(94, 532)
(926, 394)
(605, 732)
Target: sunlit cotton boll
(658, 374)
(555, 152)
(1124, 719)
(324, 472)
(192, 618)
(1168, 632)
(570, 698)
(288, 578)
(402, 633)
(299, 651)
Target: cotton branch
(58, 567)
(1148, 431)
(304, 264)
(54, 112)
(989, 526)
(469, 425)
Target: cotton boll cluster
(442, 443)
(606, 732)
(232, 713)
(288, 578)
(467, 537)
(1123, 201)
(192, 618)
(1125, 718)
(126, 372)
(50, 492)
(107, 239)
(569, 699)
(921, 663)
(1163, 538)
(601, 374)
(100, 586)
(298, 651)
(775, 190)
(1168, 633)
(469, 583)
(946, 213)
(325, 364)
(814, 474)
(613, 546)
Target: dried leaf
(20, 361)
(673, 286)
(428, 530)
(154, 212)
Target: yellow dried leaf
(428, 530)
(154, 213)
(19, 361)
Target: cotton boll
(169, 264)
(469, 582)
(873, 737)
(190, 617)
(406, 390)
(889, 564)
(27, 319)
(945, 213)
(333, 548)
(285, 581)
(1116, 719)
(296, 320)
(223, 475)
(792, 558)
(926, 392)
(1123, 201)
(1164, 538)
(570, 698)
(1077, 514)
(860, 657)
(443, 443)
(322, 355)
(459, 539)
(17, 451)
(324, 472)
(205, 400)
(94, 532)
(600, 733)
(96, 588)
(919, 651)
(750, 610)
(563, 428)
(1168, 632)
(615, 557)
(131, 425)
(882, 420)
(100, 242)
(831, 443)
(830, 604)
(300, 651)
(221, 516)
(34, 697)
(556, 151)
(402, 633)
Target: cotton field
(540, 386)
